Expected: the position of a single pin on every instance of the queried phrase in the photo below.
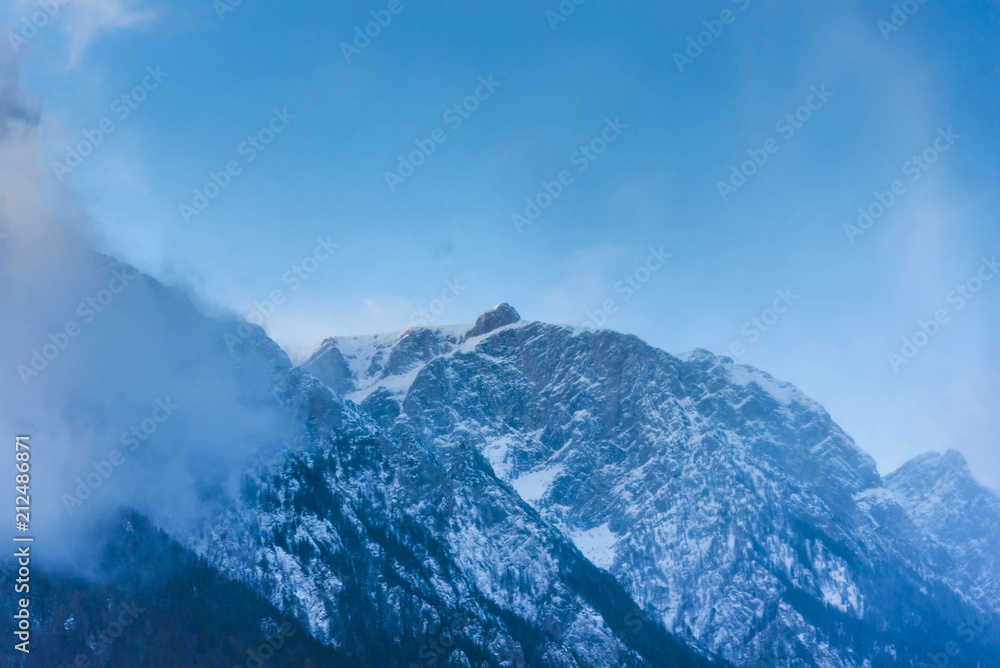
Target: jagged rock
(727, 503)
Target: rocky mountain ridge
(727, 503)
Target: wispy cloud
(85, 20)
(91, 17)
(93, 347)
(16, 107)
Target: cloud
(87, 358)
(92, 17)
(17, 109)
(82, 21)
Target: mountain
(505, 493)
(728, 504)
(268, 489)
(150, 602)
(959, 520)
(390, 551)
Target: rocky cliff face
(513, 493)
(728, 504)
(384, 550)
(959, 523)
(392, 550)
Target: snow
(359, 351)
(533, 486)
(784, 393)
(706, 539)
(397, 386)
(597, 544)
(469, 345)
(495, 451)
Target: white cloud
(81, 21)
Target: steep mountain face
(385, 552)
(729, 505)
(150, 602)
(501, 494)
(959, 520)
(396, 554)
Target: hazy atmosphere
(645, 128)
(805, 188)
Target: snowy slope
(959, 521)
(387, 552)
(725, 501)
(367, 534)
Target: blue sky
(888, 94)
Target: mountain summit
(728, 504)
(516, 493)
(499, 316)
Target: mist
(131, 396)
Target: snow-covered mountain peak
(578, 498)
(497, 317)
(356, 366)
(695, 355)
(959, 516)
(935, 479)
(936, 466)
(692, 479)
(744, 375)
(697, 386)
